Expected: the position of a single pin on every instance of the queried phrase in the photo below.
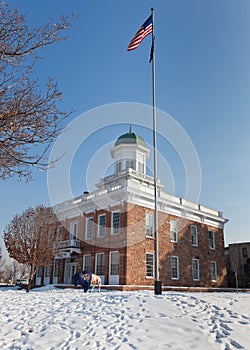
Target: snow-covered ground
(48, 318)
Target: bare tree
(29, 119)
(2, 269)
(14, 270)
(23, 270)
(10, 270)
(10, 273)
(29, 238)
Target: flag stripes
(143, 31)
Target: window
(73, 230)
(100, 264)
(101, 225)
(140, 167)
(114, 263)
(116, 223)
(60, 233)
(149, 265)
(39, 271)
(118, 167)
(87, 262)
(196, 269)
(149, 225)
(173, 231)
(194, 235)
(244, 252)
(211, 240)
(174, 267)
(57, 268)
(213, 267)
(47, 271)
(89, 228)
(130, 164)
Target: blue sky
(202, 81)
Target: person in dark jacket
(84, 279)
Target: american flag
(144, 30)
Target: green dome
(130, 138)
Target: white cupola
(130, 151)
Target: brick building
(238, 264)
(110, 230)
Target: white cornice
(136, 188)
(128, 146)
(170, 204)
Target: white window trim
(216, 273)
(48, 270)
(212, 248)
(103, 227)
(150, 277)
(112, 218)
(39, 271)
(97, 254)
(196, 235)
(178, 273)
(83, 261)
(87, 220)
(176, 232)
(72, 226)
(152, 226)
(110, 259)
(198, 269)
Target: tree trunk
(31, 278)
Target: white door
(114, 268)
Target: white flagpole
(158, 286)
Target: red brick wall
(136, 259)
(186, 252)
(133, 246)
(138, 246)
